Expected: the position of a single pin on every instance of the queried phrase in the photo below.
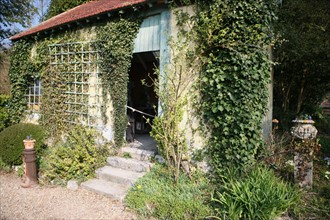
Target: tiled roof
(83, 11)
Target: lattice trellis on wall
(77, 62)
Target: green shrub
(258, 195)
(4, 167)
(11, 141)
(155, 195)
(77, 158)
(4, 114)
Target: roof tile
(83, 11)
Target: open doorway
(142, 100)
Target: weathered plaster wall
(95, 99)
(190, 123)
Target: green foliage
(58, 6)
(53, 115)
(233, 38)
(116, 54)
(127, 155)
(259, 194)
(11, 141)
(4, 167)
(24, 68)
(77, 158)
(301, 78)
(115, 41)
(155, 195)
(18, 11)
(21, 72)
(4, 111)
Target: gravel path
(43, 202)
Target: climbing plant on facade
(53, 115)
(20, 73)
(233, 37)
(115, 41)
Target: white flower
(290, 163)
(327, 174)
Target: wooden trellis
(78, 66)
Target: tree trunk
(286, 94)
(301, 94)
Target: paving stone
(110, 189)
(72, 185)
(118, 175)
(129, 164)
(138, 154)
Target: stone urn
(304, 133)
(304, 129)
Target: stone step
(109, 189)
(138, 154)
(118, 175)
(129, 164)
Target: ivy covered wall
(112, 44)
(229, 56)
(233, 38)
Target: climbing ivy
(233, 38)
(53, 116)
(115, 41)
(21, 72)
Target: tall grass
(258, 194)
(156, 195)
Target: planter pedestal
(304, 133)
(30, 169)
(303, 171)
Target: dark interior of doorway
(142, 96)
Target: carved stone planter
(304, 129)
(304, 134)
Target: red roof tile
(83, 11)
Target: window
(33, 96)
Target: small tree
(14, 12)
(301, 78)
(59, 6)
(172, 87)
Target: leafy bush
(233, 78)
(4, 167)
(77, 158)
(11, 142)
(4, 114)
(258, 195)
(155, 195)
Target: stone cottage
(78, 63)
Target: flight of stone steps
(115, 179)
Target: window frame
(33, 96)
